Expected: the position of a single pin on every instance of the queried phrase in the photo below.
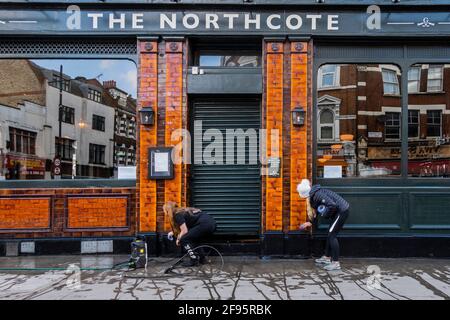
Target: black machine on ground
(139, 255)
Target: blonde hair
(171, 209)
(310, 212)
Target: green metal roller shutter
(231, 193)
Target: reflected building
(29, 123)
(359, 120)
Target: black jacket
(331, 200)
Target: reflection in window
(65, 148)
(429, 153)
(96, 153)
(94, 95)
(433, 123)
(98, 123)
(390, 82)
(97, 95)
(434, 82)
(392, 125)
(231, 60)
(358, 125)
(414, 79)
(22, 141)
(328, 76)
(67, 115)
(413, 123)
(326, 125)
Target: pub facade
(225, 106)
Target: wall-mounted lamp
(298, 116)
(147, 116)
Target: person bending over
(189, 226)
(330, 205)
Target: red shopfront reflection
(24, 167)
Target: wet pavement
(239, 278)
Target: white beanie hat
(304, 188)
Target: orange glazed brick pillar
(174, 115)
(148, 97)
(298, 242)
(299, 99)
(273, 74)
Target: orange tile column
(274, 123)
(299, 98)
(174, 114)
(148, 96)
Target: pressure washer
(139, 253)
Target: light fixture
(147, 115)
(298, 116)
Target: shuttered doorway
(229, 192)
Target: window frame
(418, 124)
(440, 123)
(94, 95)
(327, 125)
(63, 114)
(94, 156)
(415, 80)
(336, 77)
(441, 79)
(399, 114)
(25, 138)
(396, 84)
(95, 123)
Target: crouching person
(328, 204)
(189, 226)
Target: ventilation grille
(68, 47)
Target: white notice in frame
(332, 171)
(161, 162)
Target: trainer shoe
(323, 260)
(335, 265)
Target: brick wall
(48, 213)
(19, 81)
(274, 121)
(147, 96)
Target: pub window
(229, 53)
(22, 141)
(65, 148)
(37, 121)
(98, 122)
(229, 59)
(94, 95)
(392, 125)
(96, 153)
(68, 115)
(413, 124)
(414, 79)
(329, 76)
(390, 82)
(434, 123)
(429, 154)
(434, 81)
(358, 135)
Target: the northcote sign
(368, 21)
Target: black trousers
(205, 226)
(332, 245)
